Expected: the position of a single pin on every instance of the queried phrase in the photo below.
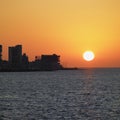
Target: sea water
(91, 94)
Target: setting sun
(88, 55)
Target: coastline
(34, 70)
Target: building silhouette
(0, 53)
(46, 63)
(15, 56)
(36, 64)
(50, 62)
(0, 56)
(18, 62)
(25, 61)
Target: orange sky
(65, 27)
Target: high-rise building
(0, 53)
(15, 56)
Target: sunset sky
(65, 27)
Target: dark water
(92, 94)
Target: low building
(0, 53)
(25, 61)
(0, 56)
(50, 62)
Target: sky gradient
(65, 27)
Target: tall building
(0, 53)
(15, 56)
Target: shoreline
(48, 70)
(34, 70)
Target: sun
(88, 55)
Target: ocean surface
(91, 94)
